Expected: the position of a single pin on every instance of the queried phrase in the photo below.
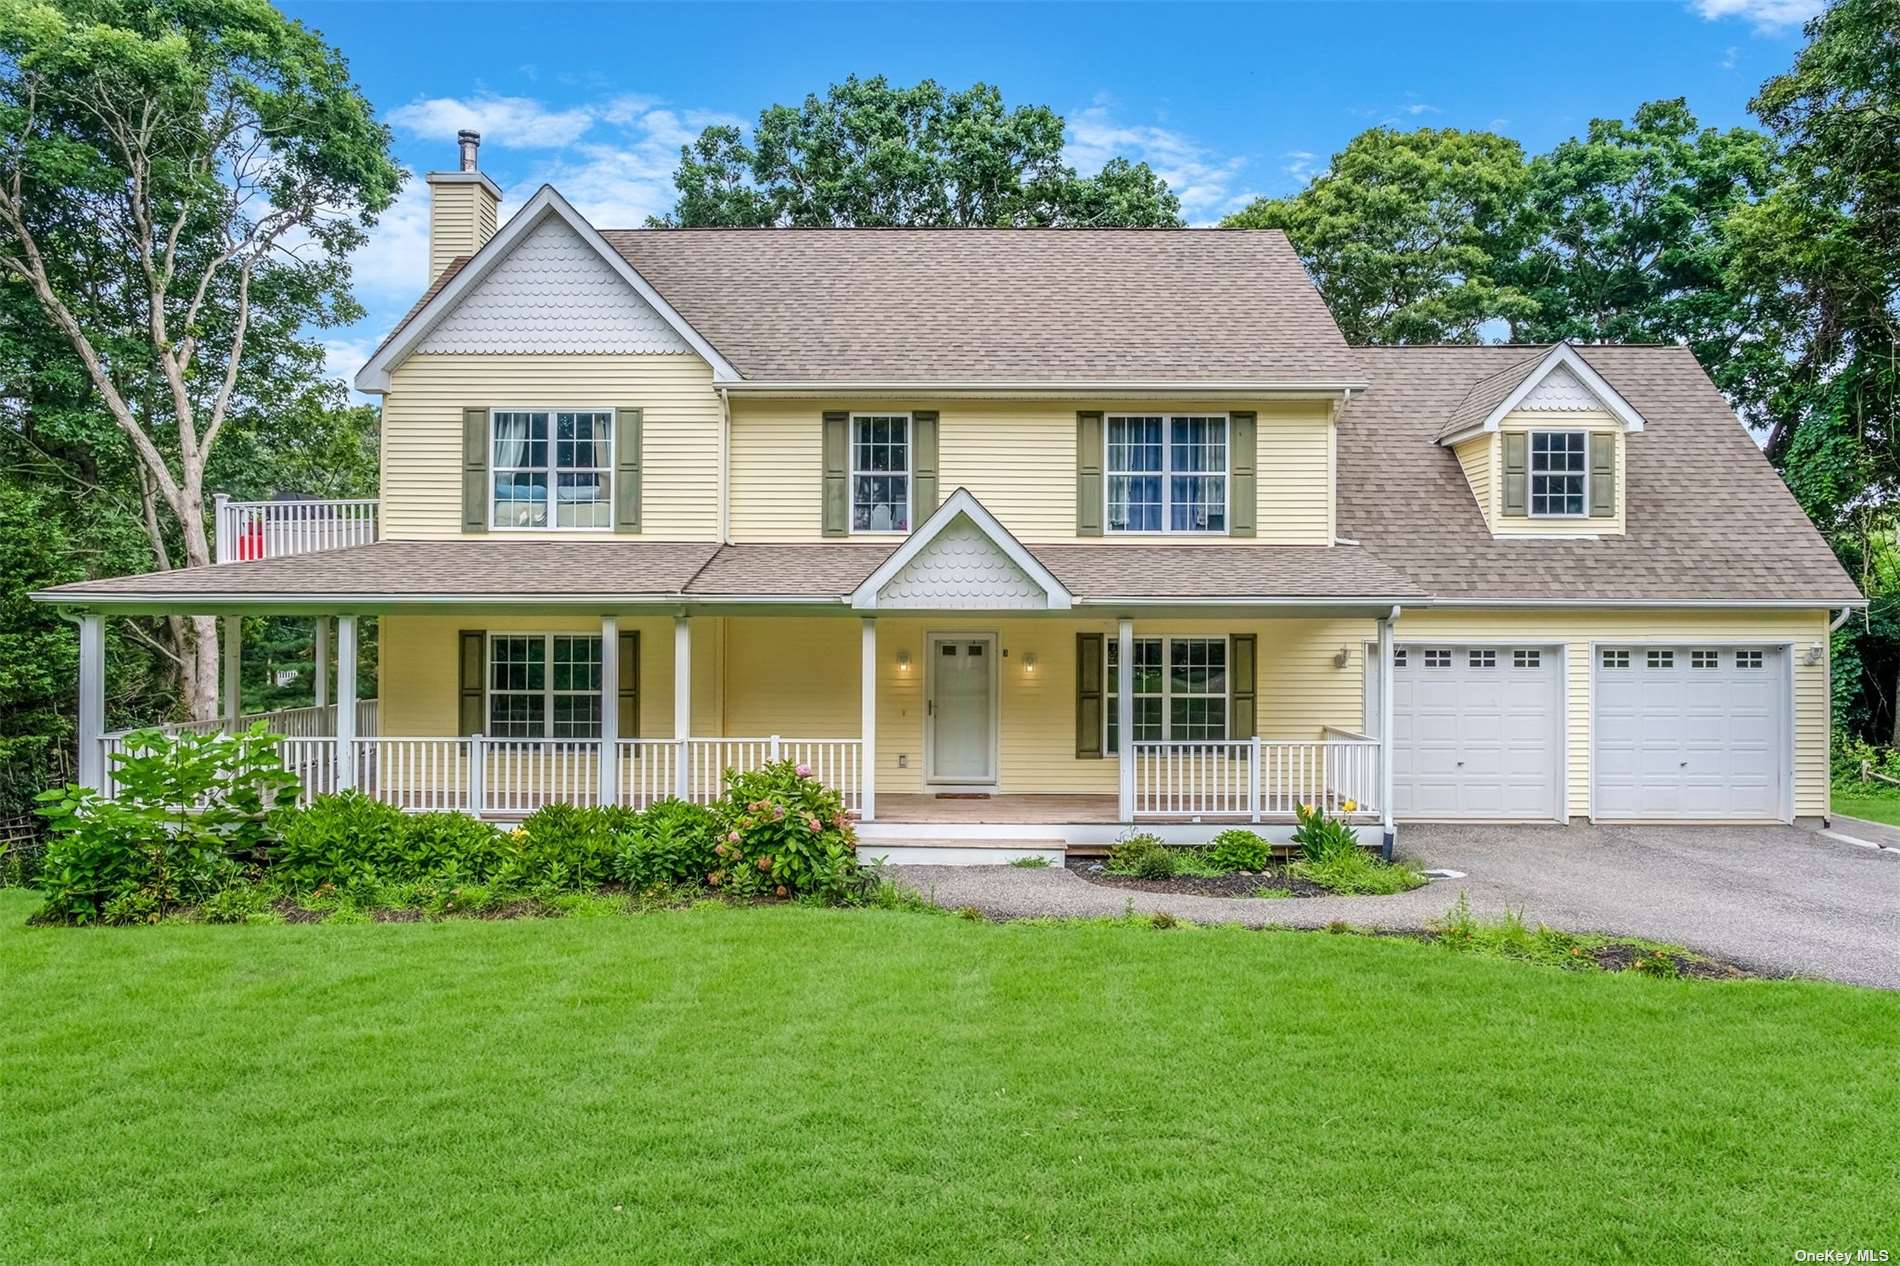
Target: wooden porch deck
(1021, 809)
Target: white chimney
(463, 206)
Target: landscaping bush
(1239, 849)
(1144, 856)
(565, 847)
(346, 839)
(671, 843)
(190, 809)
(785, 833)
(1319, 836)
(1353, 872)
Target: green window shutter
(1089, 503)
(475, 470)
(1089, 672)
(1240, 678)
(1517, 474)
(1243, 487)
(627, 470)
(837, 489)
(472, 651)
(923, 465)
(1602, 476)
(630, 685)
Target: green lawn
(796, 1085)
(1871, 808)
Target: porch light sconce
(1343, 658)
(1815, 653)
(903, 661)
(1029, 664)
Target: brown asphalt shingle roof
(1489, 392)
(1707, 518)
(996, 305)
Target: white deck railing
(250, 530)
(1256, 778)
(306, 734)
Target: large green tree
(1407, 234)
(180, 184)
(870, 154)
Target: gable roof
(1494, 396)
(462, 276)
(1708, 519)
(961, 505)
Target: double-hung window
(553, 468)
(543, 685)
(880, 472)
(1180, 690)
(1560, 471)
(1167, 472)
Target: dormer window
(1560, 473)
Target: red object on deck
(250, 542)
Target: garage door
(1475, 732)
(1689, 732)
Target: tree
(1407, 233)
(870, 154)
(180, 184)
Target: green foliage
(1030, 863)
(1509, 937)
(189, 808)
(669, 844)
(1239, 849)
(345, 840)
(1353, 871)
(1144, 856)
(869, 153)
(785, 834)
(565, 848)
(1319, 836)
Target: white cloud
(392, 267)
(1417, 108)
(344, 354)
(1729, 55)
(1766, 16)
(1202, 179)
(511, 122)
(1300, 164)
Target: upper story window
(1167, 473)
(880, 472)
(543, 685)
(1560, 473)
(552, 468)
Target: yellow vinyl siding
(1527, 525)
(461, 220)
(1475, 455)
(1577, 630)
(1018, 458)
(422, 434)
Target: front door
(960, 705)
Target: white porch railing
(1256, 778)
(306, 734)
(250, 530)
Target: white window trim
(1226, 472)
(612, 470)
(1111, 698)
(548, 692)
(909, 473)
(1530, 472)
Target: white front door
(960, 702)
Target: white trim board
(1561, 355)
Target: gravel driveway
(1780, 900)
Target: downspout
(1827, 685)
(1386, 640)
(725, 457)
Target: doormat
(963, 795)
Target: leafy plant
(343, 839)
(1239, 849)
(1143, 856)
(1319, 836)
(565, 847)
(670, 843)
(786, 834)
(1355, 872)
(1030, 863)
(189, 807)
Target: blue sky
(1226, 101)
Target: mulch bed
(1238, 884)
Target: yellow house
(1019, 537)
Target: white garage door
(1689, 732)
(1475, 732)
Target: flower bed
(1327, 860)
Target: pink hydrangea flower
(732, 837)
(804, 771)
(813, 824)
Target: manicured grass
(802, 1085)
(1871, 808)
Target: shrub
(189, 807)
(444, 847)
(785, 833)
(1319, 837)
(240, 902)
(670, 843)
(1143, 856)
(346, 839)
(565, 847)
(1352, 872)
(1238, 849)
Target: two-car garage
(1674, 732)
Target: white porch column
(92, 701)
(682, 703)
(233, 672)
(867, 725)
(1125, 714)
(609, 709)
(345, 702)
(1385, 723)
(320, 657)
